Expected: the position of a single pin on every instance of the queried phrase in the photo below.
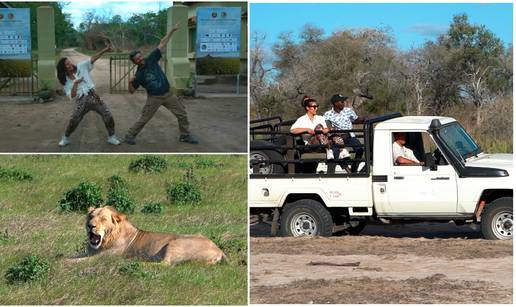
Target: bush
(148, 164)
(182, 164)
(218, 66)
(81, 197)
(206, 163)
(117, 182)
(30, 268)
(187, 191)
(118, 195)
(133, 268)
(121, 200)
(15, 174)
(152, 208)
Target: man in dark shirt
(151, 77)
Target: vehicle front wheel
(496, 222)
(306, 217)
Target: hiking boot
(129, 140)
(187, 138)
(64, 141)
(113, 140)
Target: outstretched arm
(97, 56)
(131, 87)
(163, 43)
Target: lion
(109, 232)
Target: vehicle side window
(409, 146)
(431, 148)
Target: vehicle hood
(501, 161)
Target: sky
(126, 9)
(410, 24)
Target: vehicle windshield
(459, 141)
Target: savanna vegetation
(40, 228)
(140, 30)
(465, 73)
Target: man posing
(342, 117)
(151, 77)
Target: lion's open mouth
(94, 239)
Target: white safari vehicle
(307, 195)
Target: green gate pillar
(178, 66)
(46, 47)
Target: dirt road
(219, 123)
(417, 264)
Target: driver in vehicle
(401, 154)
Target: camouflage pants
(85, 104)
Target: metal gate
(121, 69)
(21, 86)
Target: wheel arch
(489, 195)
(293, 197)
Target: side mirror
(430, 162)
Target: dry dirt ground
(404, 264)
(220, 124)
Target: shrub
(133, 268)
(121, 200)
(152, 208)
(30, 268)
(81, 197)
(15, 174)
(217, 66)
(205, 163)
(148, 164)
(118, 195)
(117, 182)
(182, 164)
(187, 191)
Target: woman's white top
(83, 70)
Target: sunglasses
(315, 106)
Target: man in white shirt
(401, 154)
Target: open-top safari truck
(308, 195)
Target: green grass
(31, 224)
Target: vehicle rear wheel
(496, 222)
(306, 217)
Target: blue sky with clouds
(126, 9)
(410, 23)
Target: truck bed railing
(291, 147)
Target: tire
(266, 169)
(496, 222)
(305, 217)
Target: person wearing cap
(150, 75)
(342, 117)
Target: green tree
(475, 57)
